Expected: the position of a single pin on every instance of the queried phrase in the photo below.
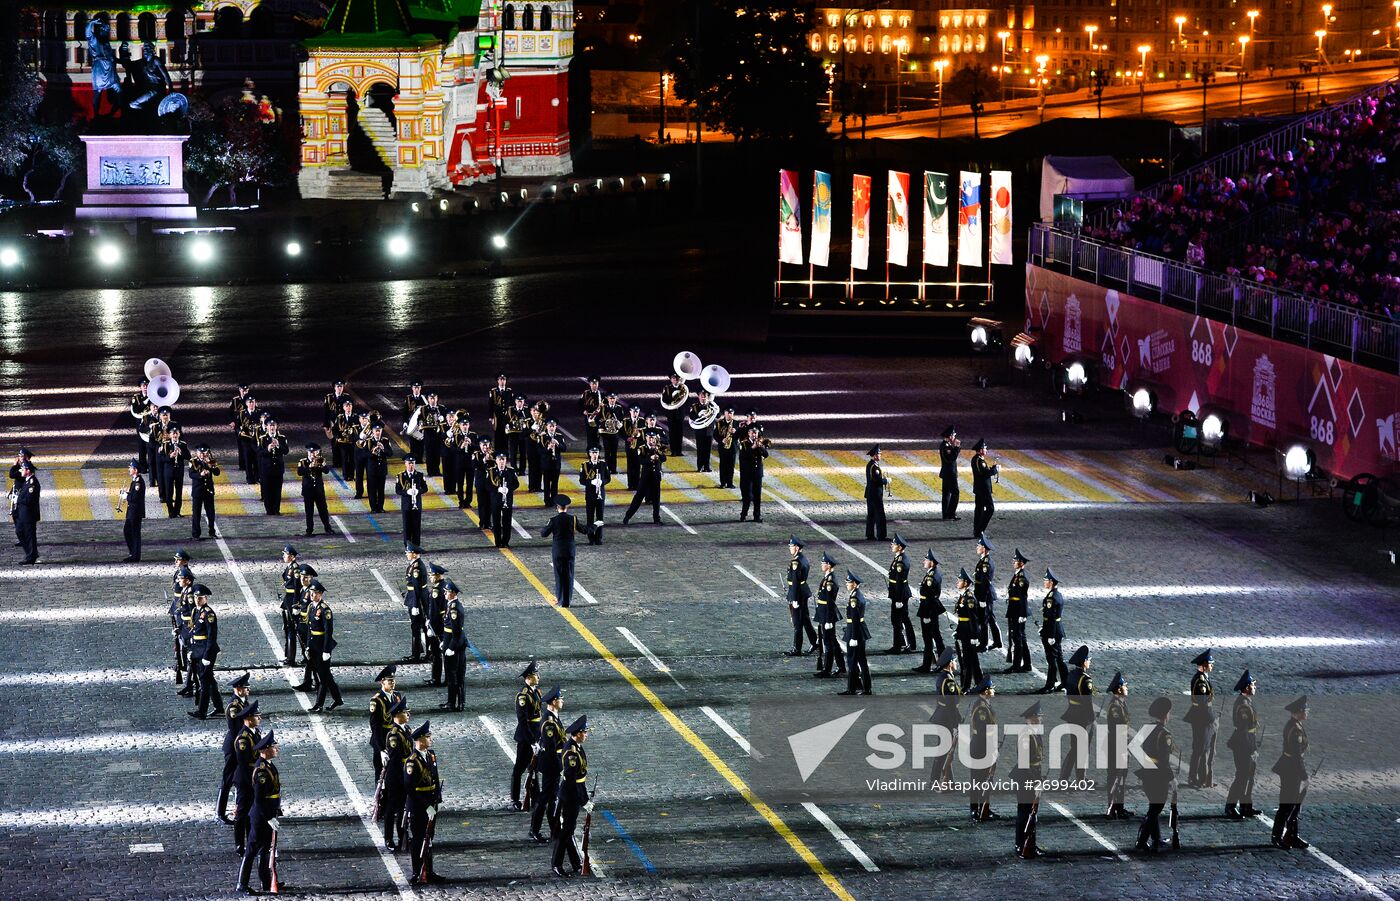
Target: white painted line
(671, 513)
(384, 583)
(841, 837)
(733, 733)
(1088, 830)
(584, 593)
(646, 652)
(521, 530)
(352, 792)
(148, 848)
(159, 814)
(756, 580)
(339, 524)
(101, 500)
(824, 531)
(1365, 884)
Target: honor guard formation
(520, 445)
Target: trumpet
(14, 501)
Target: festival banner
(821, 218)
(860, 222)
(936, 218)
(789, 218)
(970, 219)
(1001, 218)
(1270, 393)
(897, 219)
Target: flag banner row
(937, 226)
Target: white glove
(412, 492)
(174, 631)
(794, 605)
(449, 652)
(273, 824)
(830, 625)
(535, 747)
(588, 808)
(598, 483)
(1050, 641)
(432, 812)
(325, 655)
(203, 662)
(598, 523)
(980, 604)
(413, 611)
(383, 756)
(899, 605)
(1021, 620)
(502, 491)
(852, 642)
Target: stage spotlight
(413, 206)
(1072, 377)
(1186, 433)
(293, 248)
(985, 334)
(442, 205)
(1176, 462)
(1143, 402)
(1298, 462)
(1260, 498)
(979, 338)
(499, 242)
(9, 257)
(398, 246)
(1023, 357)
(1214, 430)
(201, 251)
(109, 254)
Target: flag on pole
(897, 219)
(860, 222)
(789, 218)
(1001, 218)
(936, 218)
(821, 218)
(970, 219)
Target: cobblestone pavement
(674, 630)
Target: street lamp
(1006, 35)
(939, 65)
(1091, 29)
(1244, 43)
(1144, 49)
(1181, 45)
(1252, 15)
(1321, 35)
(1041, 62)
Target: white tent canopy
(1081, 177)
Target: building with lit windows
(876, 42)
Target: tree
(230, 146)
(747, 67)
(30, 142)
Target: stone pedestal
(135, 177)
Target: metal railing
(1362, 337)
(1240, 160)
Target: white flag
(1001, 218)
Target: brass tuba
(708, 414)
(686, 365)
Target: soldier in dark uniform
(527, 729)
(272, 451)
(16, 478)
(673, 394)
(160, 433)
(452, 632)
(27, 512)
(703, 438)
(549, 764)
(1157, 780)
(467, 459)
(930, 611)
(411, 404)
(250, 428)
(985, 592)
(552, 448)
(651, 458)
(319, 619)
(204, 650)
(176, 454)
(965, 633)
(1052, 635)
(612, 411)
(595, 476)
(945, 712)
(451, 443)
(411, 487)
(398, 745)
(301, 616)
(898, 586)
(332, 406)
(245, 757)
(344, 429)
(140, 411)
(264, 812)
(562, 527)
(573, 797)
(182, 617)
(134, 497)
(798, 594)
(518, 444)
(203, 469)
(1079, 711)
(484, 463)
(983, 471)
(875, 487)
(948, 472)
(856, 637)
(1244, 745)
(377, 470)
(364, 431)
(233, 721)
(1027, 794)
(1292, 770)
(633, 428)
(1119, 732)
(828, 615)
(590, 405)
(1203, 718)
(380, 719)
(726, 434)
(1017, 609)
(291, 588)
(312, 470)
(423, 787)
(415, 598)
(432, 620)
(504, 482)
(982, 718)
(430, 420)
(500, 399)
(753, 450)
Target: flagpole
(957, 281)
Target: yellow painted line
(1043, 481)
(1103, 480)
(115, 480)
(809, 476)
(68, 485)
(1178, 486)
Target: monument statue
(148, 94)
(104, 66)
